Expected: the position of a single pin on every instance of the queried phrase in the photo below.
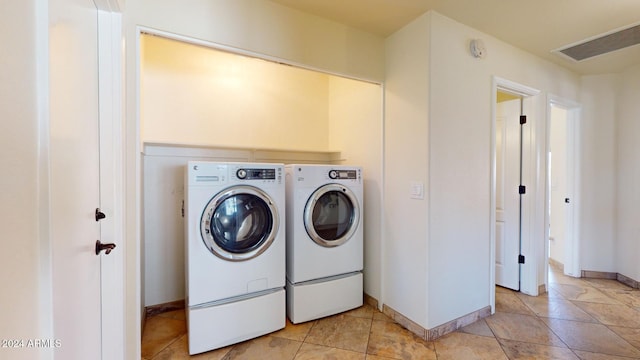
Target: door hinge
(520, 259)
(182, 210)
(522, 189)
(523, 119)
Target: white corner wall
(628, 172)
(438, 130)
(460, 163)
(460, 171)
(25, 258)
(405, 266)
(597, 212)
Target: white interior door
(571, 252)
(563, 244)
(75, 179)
(508, 161)
(558, 183)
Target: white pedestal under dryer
(324, 209)
(235, 252)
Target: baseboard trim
(556, 264)
(370, 300)
(628, 281)
(542, 289)
(426, 334)
(438, 331)
(163, 308)
(611, 276)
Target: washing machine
(324, 207)
(235, 252)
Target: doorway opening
(513, 174)
(562, 245)
(508, 210)
(199, 100)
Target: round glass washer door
(239, 223)
(331, 215)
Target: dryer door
(331, 215)
(239, 223)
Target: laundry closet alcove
(200, 102)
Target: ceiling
(536, 26)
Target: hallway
(587, 319)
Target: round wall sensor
(477, 48)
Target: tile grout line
(574, 302)
(526, 342)
(366, 348)
(305, 337)
(171, 342)
(559, 312)
(573, 351)
(495, 336)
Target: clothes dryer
(324, 206)
(235, 252)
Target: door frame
(113, 334)
(528, 274)
(572, 245)
(110, 102)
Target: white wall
(200, 96)
(405, 266)
(427, 81)
(628, 174)
(464, 150)
(25, 256)
(610, 173)
(461, 173)
(266, 28)
(597, 196)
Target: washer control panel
(256, 174)
(212, 173)
(343, 174)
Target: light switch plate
(417, 190)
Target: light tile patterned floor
(587, 319)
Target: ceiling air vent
(603, 44)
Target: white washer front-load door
(239, 223)
(331, 215)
